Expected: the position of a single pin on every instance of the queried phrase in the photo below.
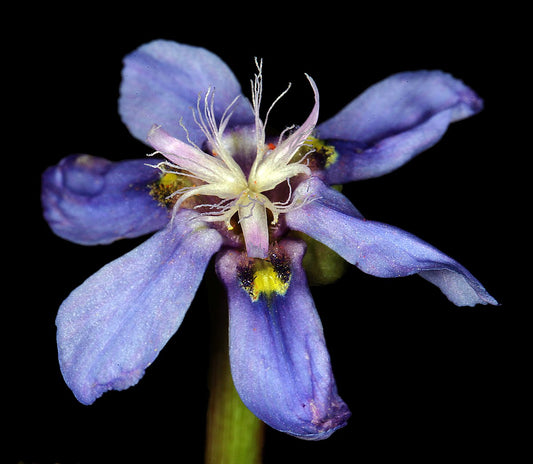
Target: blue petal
(90, 200)
(393, 121)
(279, 361)
(380, 249)
(161, 81)
(113, 326)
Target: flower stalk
(233, 434)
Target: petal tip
(336, 418)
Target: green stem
(234, 434)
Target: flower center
(219, 171)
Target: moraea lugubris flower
(219, 186)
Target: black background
(425, 380)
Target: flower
(224, 188)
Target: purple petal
(380, 249)
(113, 326)
(393, 121)
(90, 200)
(161, 81)
(279, 361)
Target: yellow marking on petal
(265, 277)
(267, 281)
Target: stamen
(282, 135)
(275, 101)
(213, 133)
(260, 126)
(289, 196)
(217, 173)
(257, 93)
(187, 134)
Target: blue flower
(219, 186)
